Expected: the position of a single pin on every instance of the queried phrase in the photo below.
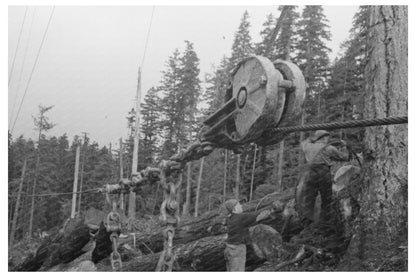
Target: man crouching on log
(238, 234)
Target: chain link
(169, 212)
(115, 257)
(113, 225)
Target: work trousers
(316, 178)
(235, 257)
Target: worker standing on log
(238, 234)
(316, 177)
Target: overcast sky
(88, 65)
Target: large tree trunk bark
(382, 225)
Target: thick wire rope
(345, 124)
(23, 66)
(57, 193)
(17, 46)
(33, 69)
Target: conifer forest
(157, 199)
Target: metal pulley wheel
(262, 95)
(294, 96)
(267, 95)
(254, 85)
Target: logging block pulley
(261, 95)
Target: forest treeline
(171, 113)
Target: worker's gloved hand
(263, 215)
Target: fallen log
(206, 254)
(213, 223)
(59, 248)
(199, 242)
(62, 246)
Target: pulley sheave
(261, 95)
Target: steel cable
(344, 125)
(17, 47)
(33, 68)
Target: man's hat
(230, 204)
(319, 134)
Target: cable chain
(194, 152)
(169, 212)
(113, 225)
(115, 257)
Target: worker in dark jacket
(316, 178)
(238, 234)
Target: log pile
(199, 243)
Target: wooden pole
(224, 193)
(74, 189)
(201, 168)
(121, 173)
(16, 208)
(252, 172)
(237, 177)
(132, 196)
(84, 153)
(280, 166)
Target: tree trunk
(121, 174)
(197, 228)
(188, 189)
(198, 188)
(301, 138)
(61, 247)
(32, 206)
(382, 224)
(224, 190)
(75, 187)
(243, 174)
(252, 172)
(206, 254)
(237, 178)
(16, 208)
(280, 166)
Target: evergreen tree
(312, 52)
(42, 124)
(312, 58)
(214, 93)
(190, 89)
(344, 96)
(242, 45)
(148, 149)
(285, 43)
(172, 118)
(180, 86)
(265, 34)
